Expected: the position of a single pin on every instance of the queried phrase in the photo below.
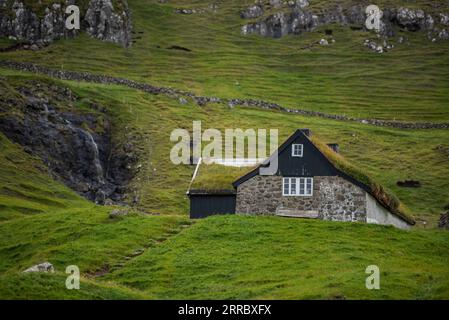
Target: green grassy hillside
(259, 258)
(26, 187)
(233, 257)
(274, 258)
(388, 155)
(407, 83)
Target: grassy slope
(237, 257)
(387, 155)
(82, 234)
(42, 220)
(408, 83)
(333, 79)
(26, 188)
(52, 286)
(47, 222)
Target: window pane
(301, 186)
(309, 186)
(286, 186)
(293, 186)
(297, 150)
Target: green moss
(217, 177)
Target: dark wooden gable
(312, 163)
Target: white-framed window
(297, 150)
(300, 187)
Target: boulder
(443, 35)
(105, 24)
(118, 213)
(275, 3)
(413, 20)
(444, 19)
(42, 267)
(302, 3)
(252, 12)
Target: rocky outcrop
(104, 23)
(300, 19)
(77, 147)
(100, 20)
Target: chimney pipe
(334, 146)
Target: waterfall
(93, 148)
(96, 159)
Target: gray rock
(443, 35)
(412, 20)
(101, 21)
(105, 24)
(444, 19)
(302, 3)
(252, 12)
(118, 213)
(42, 267)
(275, 3)
(378, 47)
(300, 20)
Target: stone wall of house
(340, 200)
(334, 198)
(377, 214)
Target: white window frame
(297, 187)
(301, 148)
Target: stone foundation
(334, 198)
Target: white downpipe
(195, 173)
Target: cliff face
(296, 17)
(105, 20)
(79, 148)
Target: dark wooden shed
(208, 203)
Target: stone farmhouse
(309, 183)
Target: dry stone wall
(203, 100)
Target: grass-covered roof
(215, 177)
(385, 197)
